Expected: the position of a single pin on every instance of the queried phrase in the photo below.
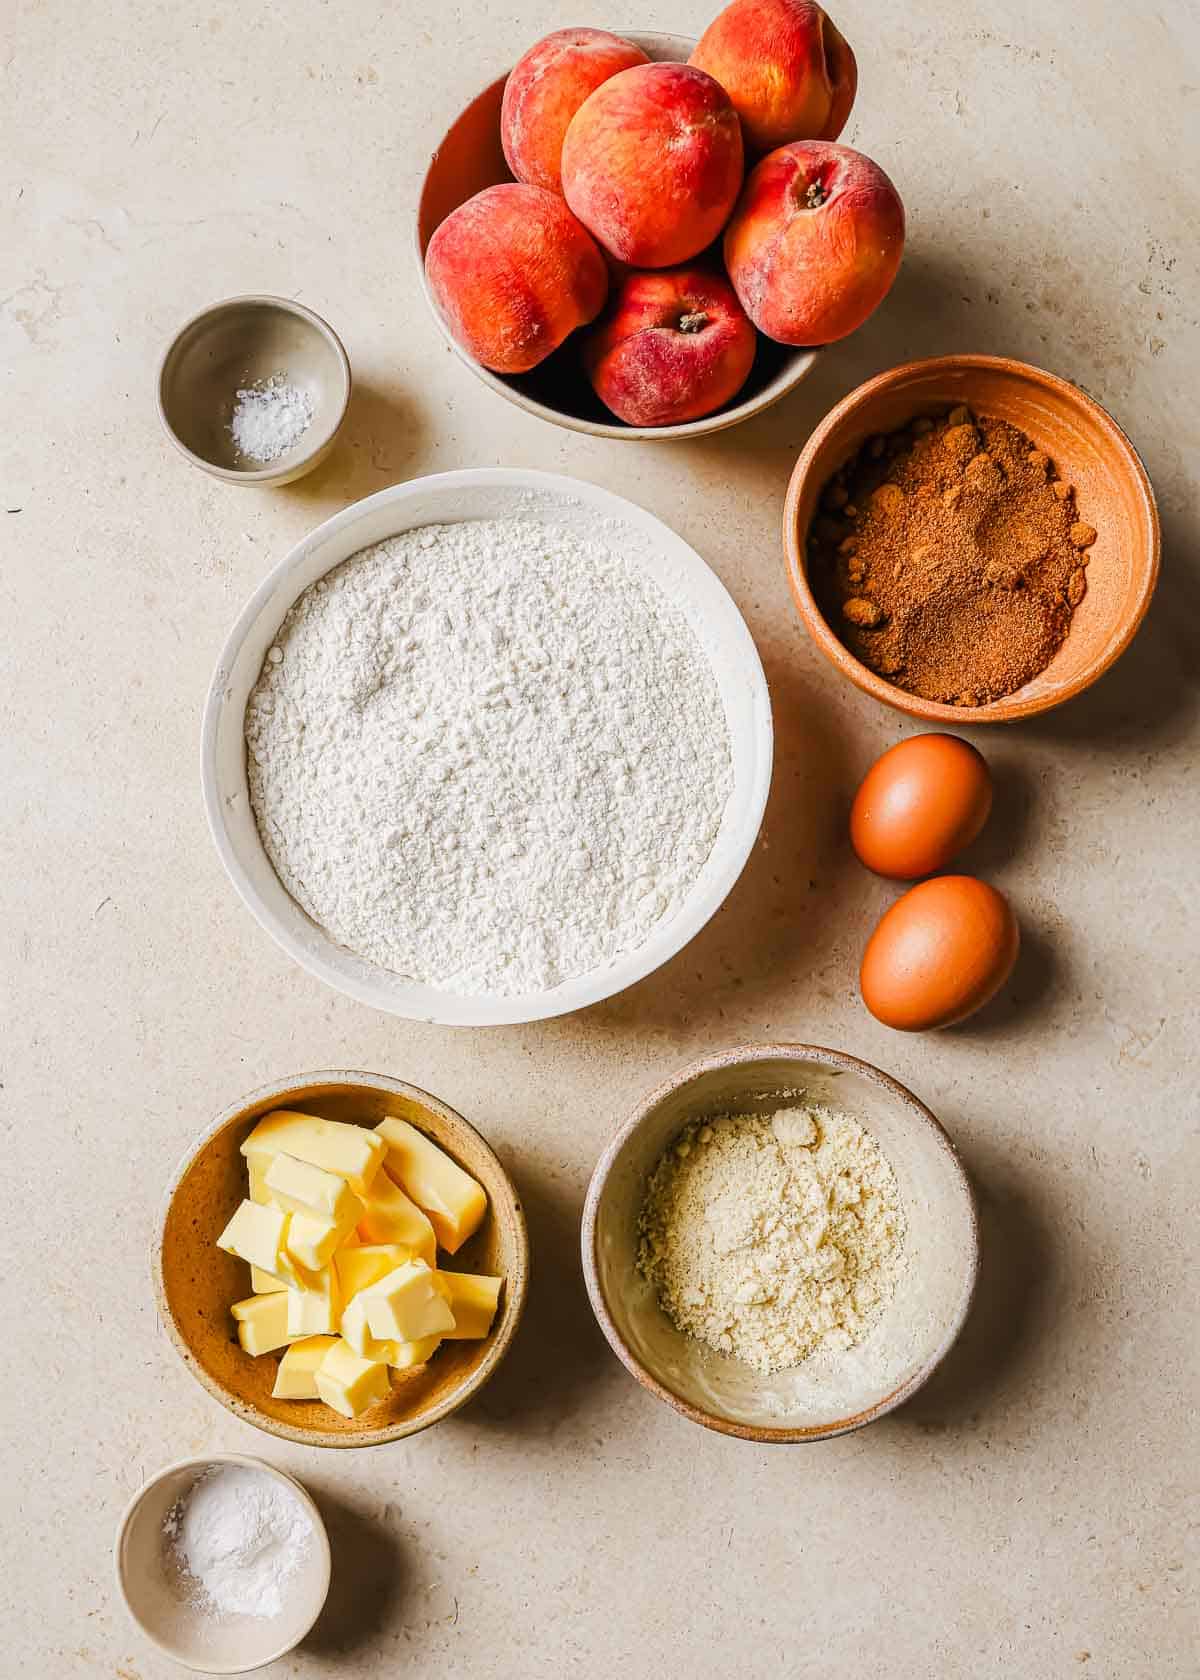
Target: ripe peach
(514, 272)
(674, 344)
(815, 242)
(652, 163)
(790, 74)
(545, 89)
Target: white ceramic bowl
(469, 159)
(482, 493)
(191, 1636)
(828, 1394)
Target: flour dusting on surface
(489, 756)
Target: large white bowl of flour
(487, 747)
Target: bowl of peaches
(647, 236)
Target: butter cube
(299, 1187)
(258, 1234)
(312, 1308)
(406, 1355)
(358, 1267)
(356, 1332)
(296, 1377)
(350, 1384)
(265, 1283)
(353, 1152)
(389, 1217)
(256, 1168)
(406, 1305)
(454, 1202)
(472, 1300)
(312, 1241)
(262, 1322)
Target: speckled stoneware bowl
(828, 1394)
(195, 1282)
(470, 158)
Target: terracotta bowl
(469, 159)
(195, 1283)
(827, 1394)
(1087, 447)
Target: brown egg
(939, 954)
(919, 805)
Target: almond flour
(773, 1237)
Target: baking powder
(235, 1537)
(491, 755)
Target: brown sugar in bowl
(195, 1283)
(1087, 447)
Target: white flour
(235, 1537)
(489, 756)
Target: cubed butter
(262, 1322)
(454, 1202)
(353, 1152)
(265, 1283)
(472, 1300)
(406, 1305)
(390, 1217)
(259, 1234)
(313, 1241)
(299, 1187)
(256, 1169)
(358, 1267)
(296, 1377)
(405, 1355)
(350, 1384)
(312, 1308)
(357, 1333)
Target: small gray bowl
(243, 341)
(827, 1394)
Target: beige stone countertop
(1033, 1512)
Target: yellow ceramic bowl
(196, 1283)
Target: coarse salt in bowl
(485, 493)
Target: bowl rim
(200, 1462)
(594, 987)
(273, 471)
(803, 357)
(1008, 709)
(516, 1286)
(747, 1055)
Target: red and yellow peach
(652, 163)
(547, 86)
(514, 272)
(789, 72)
(815, 242)
(674, 345)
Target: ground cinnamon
(949, 558)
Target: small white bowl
(482, 493)
(200, 1640)
(827, 1394)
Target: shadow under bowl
(1087, 448)
(196, 1283)
(469, 159)
(829, 1393)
